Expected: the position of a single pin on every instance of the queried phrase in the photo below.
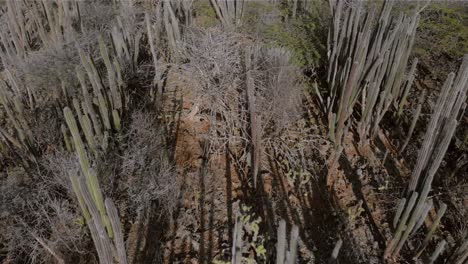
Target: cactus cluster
(109, 245)
(367, 59)
(229, 12)
(440, 130)
(169, 18)
(126, 43)
(48, 21)
(14, 109)
(110, 104)
(101, 216)
(52, 24)
(98, 116)
(171, 24)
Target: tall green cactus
(98, 231)
(76, 189)
(111, 76)
(116, 226)
(89, 108)
(90, 175)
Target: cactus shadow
(357, 186)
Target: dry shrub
(217, 74)
(215, 71)
(59, 164)
(98, 15)
(146, 167)
(278, 90)
(45, 69)
(40, 210)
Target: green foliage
(294, 176)
(304, 35)
(205, 15)
(296, 37)
(462, 142)
(443, 30)
(254, 241)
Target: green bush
(305, 36)
(205, 15)
(442, 32)
(445, 28)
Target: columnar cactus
(15, 116)
(432, 229)
(255, 128)
(111, 76)
(98, 231)
(76, 189)
(399, 211)
(88, 172)
(439, 133)
(439, 249)
(229, 12)
(401, 226)
(171, 25)
(461, 253)
(116, 226)
(283, 255)
(157, 68)
(89, 108)
(367, 62)
(66, 138)
(281, 243)
(422, 218)
(413, 122)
